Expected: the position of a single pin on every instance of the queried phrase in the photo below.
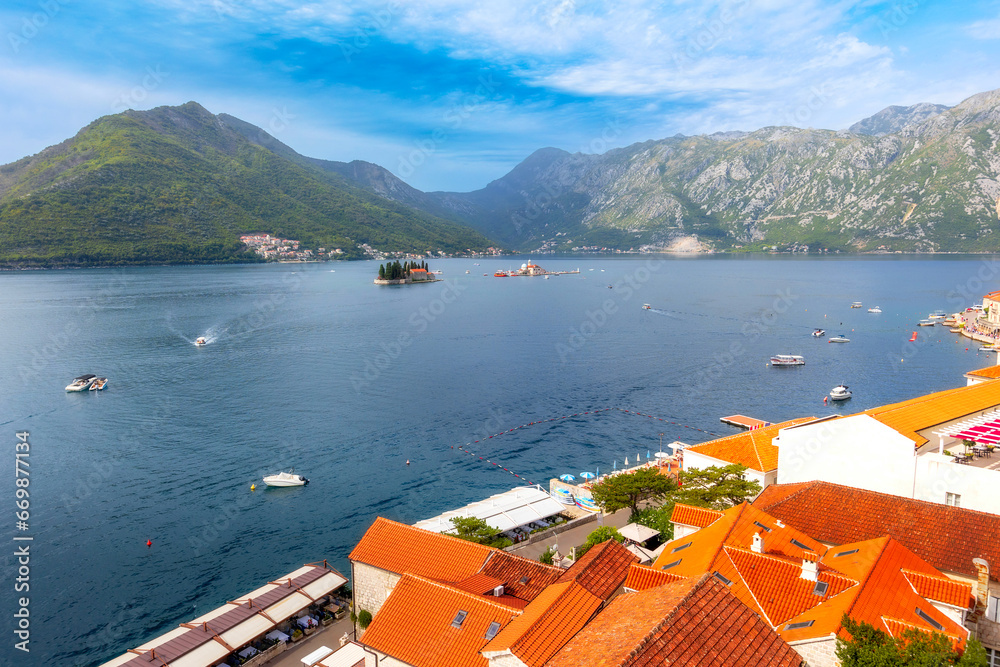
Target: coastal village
(883, 523)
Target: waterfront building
(801, 589)
(913, 449)
(753, 449)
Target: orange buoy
(149, 543)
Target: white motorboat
(646, 306)
(819, 333)
(200, 340)
(99, 384)
(840, 339)
(840, 393)
(938, 315)
(285, 479)
(926, 323)
(787, 360)
(81, 383)
(876, 309)
(856, 304)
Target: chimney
(810, 566)
(758, 544)
(982, 588)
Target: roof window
(670, 565)
(922, 614)
(799, 626)
(492, 631)
(459, 619)
(846, 553)
(681, 547)
(721, 578)
(758, 523)
(820, 588)
(800, 545)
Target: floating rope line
(465, 449)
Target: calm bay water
(311, 366)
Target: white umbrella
(587, 475)
(567, 478)
(626, 461)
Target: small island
(407, 273)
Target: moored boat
(285, 479)
(788, 360)
(856, 304)
(876, 309)
(840, 393)
(586, 504)
(81, 383)
(926, 323)
(840, 339)
(564, 496)
(99, 384)
(937, 315)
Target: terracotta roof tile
(415, 625)
(922, 412)
(641, 577)
(695, 622)
(946, 537)
(895, 628)
(988, 373)
(752, 449)
(689, 515)
(480, 584)
(512, 570)
(941, 589)
(602, 570)
(547, 624)
(399, 548)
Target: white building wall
(818, 653)
(683, 530)
(862, 452)
(505, 659)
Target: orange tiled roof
(941, 589)
(689, 515)
(989, 373)
(415, 625)
(511, 569)
(946, 537)
(641, 577)
(695, 622)
(399, 548)
(480, 584)
(547, 623)
(752, 449)
(895, 627)
(922, 412)
(602, 569)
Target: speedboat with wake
(840, 393)
(285, 479)
(200, 340)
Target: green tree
(715, 487)
(364, 618)
(657, 518)
(602, 534)
(474, 529)
(630, 489)
(381, 272)
(547, 555)
(871, 647)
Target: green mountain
(179, 184)
(921, 178)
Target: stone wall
(372, 586)
(818, 653)
(988, 633)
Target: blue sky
(450, 95)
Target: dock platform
(744, 422)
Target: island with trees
(407, 273)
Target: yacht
(99, 384)
(81, 383)
(787, 360)
(200, 340)
(840, 339)
(285, 479)
(840, 393)
(876, 309)
(819, 333)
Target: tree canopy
(716, 487)
(474, 529)
(871, 647)
(630, 489)
(602, 534)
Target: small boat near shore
(788, 360)
(564, 496)
(926, 323)
(937, 315)
(81, 383)
(840, 393)
(285, 479)
(586, 504)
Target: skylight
(758, 523)
(670, 565)
(683, 546)
(492, 631)
(846, 553)
(721, 578)
(820, 588)
(922, 614)
(799, 626)
(800, 545)
(525, 580)
(459, 619)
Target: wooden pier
(744, 422)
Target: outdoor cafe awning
(984, 429)
(208, 638)
(504, 511)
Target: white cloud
(987, 29)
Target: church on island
(406, 273)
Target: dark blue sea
(311, 366)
